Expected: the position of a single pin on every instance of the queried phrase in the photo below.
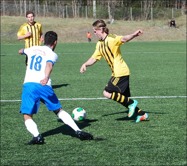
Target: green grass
(157, 69)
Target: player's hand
(44, 81)
(42, 39)
(28, 34)
(138, 32)
(83, 68)
(21, 51)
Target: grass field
(158, 81)
(74, 30)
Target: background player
(31, 32)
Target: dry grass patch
(74, 30)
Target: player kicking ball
(118, 88)
(37, 87)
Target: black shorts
(119, 84)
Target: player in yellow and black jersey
(117, 88)
(31, 31)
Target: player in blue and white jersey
(37, 87)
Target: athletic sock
(118, 97)
(66, 118)
(32, 127)
(139, 111)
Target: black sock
(130, 102)
(139, 111)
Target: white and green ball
(79, 114)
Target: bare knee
(26, 117)
(107, 94)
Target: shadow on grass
(122, 112)
(66, 130)
(126, 118)
(58, 86)
(133, 118)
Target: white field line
(129, 52)
(103, 98)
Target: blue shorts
(33, 93)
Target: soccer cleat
(36, 140)
(142, 117)
(83, 135)
(132, 108)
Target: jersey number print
(36, 63)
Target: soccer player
(89, 36)
(37, 87)
(31, 32)
(117, 88)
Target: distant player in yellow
(117, 88)
(31, 32)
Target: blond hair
(101, 24)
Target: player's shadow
(122, 112)
(66, 130)
(135, 116)
(58, 86)
(126, 118)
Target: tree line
(111, 9)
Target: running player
(117, 88)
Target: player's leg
(31, 126)
(118, 97)
(118, 90)
(133, 108)
(26, 60)
(53, 104)
(67, 119)
(127, 102)
(29, 106)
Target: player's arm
(41, 35)
(48, 70)
(28, 34)
(23, 32)
(21, 51)
(89, 62)
(41, 38)
(129, 37)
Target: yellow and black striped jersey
(109, 49)
(34, 39)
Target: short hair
(29, 12)
(100, 24)
(50, 37)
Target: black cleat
(84, 136)
(37, 140)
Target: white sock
(32, 127)
(67, 119)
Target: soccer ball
(79, 114)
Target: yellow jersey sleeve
(97, 55)
(22, 30)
